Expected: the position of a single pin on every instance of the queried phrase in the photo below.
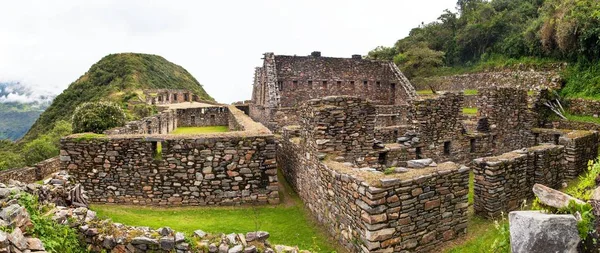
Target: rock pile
(104, 235)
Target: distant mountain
(19, 109)
(118, 78)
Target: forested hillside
(500, 33)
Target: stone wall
(162, 123)
(470, 101)
(391, 115)
(369, 212)
(38, 172)
(199, 171)
(305, 78)
(171, 96)
(211, 169)
(509, 119)
(203, 116)
(366, 210)
(341, 127)
(528, 80)
(392, 133)
(97, 234)
(564, 124)
(581, 146)
(581, 106)
(503, 182)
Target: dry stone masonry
(367, 210)
(503, 182)
(38, 172)
(288, 81)
(211, 169)
(521, 79)
(100, 235)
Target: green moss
(200, 130)
(389, 171)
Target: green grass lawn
(425, 92)
(471, 92)
(200, 130)
(469, 110)
(581, 118)
(288, 223)
(481, 232)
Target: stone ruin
(170, 96)
(285, 82)
(143, 163)
(383, 169)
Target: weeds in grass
(502, 241)
(389, 171)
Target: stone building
(284, 82)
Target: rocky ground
(67, 204)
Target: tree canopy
(564, 30)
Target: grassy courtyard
(200, 130)
(288, 223)
(469, 110)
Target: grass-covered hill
(119, 78)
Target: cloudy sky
(49, 44)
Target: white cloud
(14, 97)
(49, 44)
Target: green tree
(382, 53)
(419, 60)
(9, 160)
(39, 149)
(97, 117)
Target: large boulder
(536, 232)
(553, 198)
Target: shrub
(97, 117)
(39, 149)
(56, 237)
(9, 160)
